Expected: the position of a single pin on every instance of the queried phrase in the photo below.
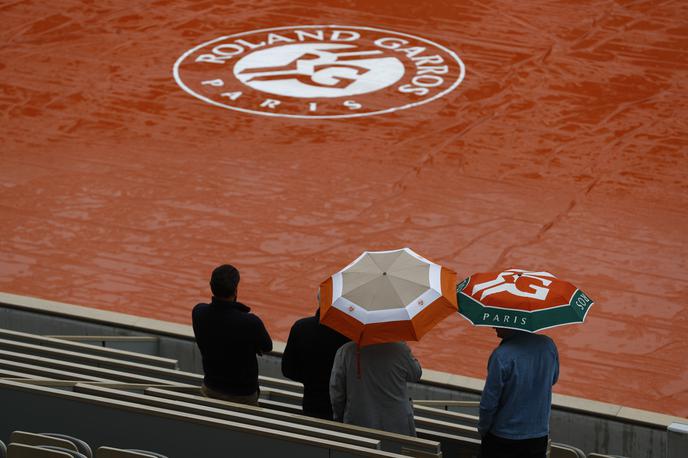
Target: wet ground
(564, 149)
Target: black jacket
(308, 359)
(229, 337)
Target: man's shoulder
(544, 340)
(527, 342)
(550, 344)
(397, 348)
(249, 316)
(309, 322)
(198, 308)
(347, 348)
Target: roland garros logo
(323, 71)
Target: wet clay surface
(563, 149)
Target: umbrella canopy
(387, 296)
(520, 299)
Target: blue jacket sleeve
(555, 378)
(489, 401)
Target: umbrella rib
(411, 267)
(413, 330)
(372, 258)
(425, 287)
(375, 292)
(373, 278)
(395, 293)
(409, 281)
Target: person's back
(516, 402)
(229, 337)
(376, 396)
(308, 358)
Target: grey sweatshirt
(379, 397)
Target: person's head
(503, 333)
(224, 282)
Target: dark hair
(224, 281)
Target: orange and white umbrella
(387, 296)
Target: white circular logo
(319, 71)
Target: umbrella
(387, 296)
(520, 299)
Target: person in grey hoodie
(368, 386)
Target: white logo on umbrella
(506, 282)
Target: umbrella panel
(382, 260)
(572, 309)
(388, 263)
(519, 290)
(364, 264)
(383, 293)
(353, 280)
(406, 261)
(415, 274)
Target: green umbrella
(520, 299)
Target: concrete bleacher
(25, 444)
(123, 391)
(80, 348)
(95, 386)
(102, 420)
(270, 409)
(155, 380)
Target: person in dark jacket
(229, 337)
(308, 359)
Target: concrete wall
(677, 440)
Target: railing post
(677, 440)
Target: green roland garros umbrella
(520, 299)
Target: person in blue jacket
(516, 402)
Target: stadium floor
(562, 149)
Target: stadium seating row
(51, 445)
(140, 392)
(282, 399)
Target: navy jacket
(308, 359)
(229, 337)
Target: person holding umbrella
(517, 399)
(368, 386)
(516, 402)
(379, 301)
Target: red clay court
(562, 147)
